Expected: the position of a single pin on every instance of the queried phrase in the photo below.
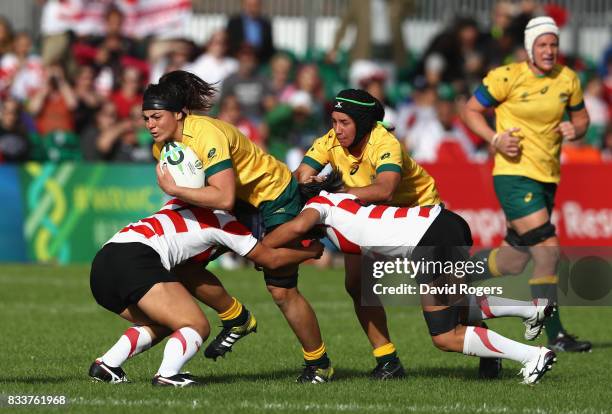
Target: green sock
(553, 323)
(238, 320)
(322, 362)
(386, 358)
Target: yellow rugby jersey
(219, 145)
(536, 105)
(383, 152)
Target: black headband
(349, 106)
(156, 103)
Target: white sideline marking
(402, 408)
(350, 407)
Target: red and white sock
(496, 306)
(181, 346)
(133, 341)
(483, 342)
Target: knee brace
(539, 234)
(442, 321)
(514, 240)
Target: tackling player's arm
(293, 230)
(273, 259)
(219, 192)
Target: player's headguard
(537, 27)
(364, 109)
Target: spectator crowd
(75, 96)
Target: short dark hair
(332, 184)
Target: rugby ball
(183, 164)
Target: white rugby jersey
(361, 229)
(180, 231)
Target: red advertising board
(583, 206)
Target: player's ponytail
(332, 183)
(179, 91)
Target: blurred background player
(530, 99)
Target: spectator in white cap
(530, 100)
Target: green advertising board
(72, 209)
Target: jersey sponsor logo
(564, 96)
(354, 169)
(544, 90)
(528, 197)
(385, 156)
(311, 149)
(524, 96)
(212, 153)
(198, 164)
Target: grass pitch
(52, 329)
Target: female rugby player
(132, 276)
(376, 169)
(235, 169)
(530, 100)
(428, 233)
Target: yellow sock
(316, 354)
(545, 280)
(386, 349)
(233, 312)
(493, 263)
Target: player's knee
(198, 323)
(441, 325)
(443, 342)
(281, 295)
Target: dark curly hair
(184, 88)
(332, 184)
